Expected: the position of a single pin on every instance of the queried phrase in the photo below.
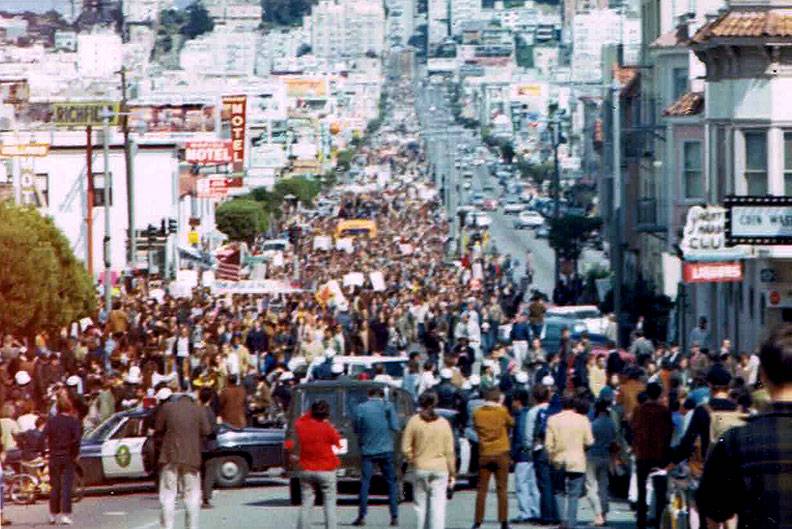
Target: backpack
(721, 421)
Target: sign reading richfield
(84, 113)
(759, 220)
(24, 150)
(704, 236)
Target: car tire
(295, 494)
(231, 471)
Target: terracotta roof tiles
(689, 104)
(776, 23)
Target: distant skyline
(61, 6)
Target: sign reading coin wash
(757, 220)
(707, 257)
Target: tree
(198, 21)
(241, 219)
(507, 151)
(536, 173)
(43, 287)
(285, 12)
(303, 188)
(304, 49)
(569, 233)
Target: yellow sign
(83, 114)
(193, 238)
(306, 87)
(24, 150)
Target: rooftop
(689, 104)
(748, 23)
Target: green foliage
(241, 219)
(43, 286)
(305, 189)
(523, 53)
(286, 12)
(304, 49)
(198, 21)
(344, 159)
(536, 173)
(507, 151)
(569, 233)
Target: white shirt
(232, 363)
(27, 422)
(182, 347)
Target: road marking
(115, 513)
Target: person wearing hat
(73, 385)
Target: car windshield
(101, 432)
(354, 398)
(394, 369)
(329, 395)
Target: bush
(43, 287)
(241, 219)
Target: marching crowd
(567, 420)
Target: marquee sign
(755, 220)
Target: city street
(264, 504)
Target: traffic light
(162, 231)
(172, 228)
(151, 232)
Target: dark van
(344, 397)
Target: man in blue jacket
(376, 423)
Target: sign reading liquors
(759, 220)
(704, 236)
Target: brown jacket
(232, 406)
(182, 424)
(492, 422)
(652, 429)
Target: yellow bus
(356, 228)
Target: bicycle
(33, 482)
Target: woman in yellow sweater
(428, 446)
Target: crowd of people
(568, 420)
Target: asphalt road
(264, 504)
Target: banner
(345, 244)
(169, 119)
(208, 152)
(354, 279)
(235, 108)
(265, 286)
(322, 242)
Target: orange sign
(306, 87)
(24, 150)
(236, 109)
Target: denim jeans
(170, 476)
(568, 498)
(430, 497)
(385, 462)
(526, 490)
(548, 510)
(326, 483)
(597, 482)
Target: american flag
(228, 264)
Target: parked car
(120, 450)
(344, 397)
(490, 204)
(528, 219)
(589, 314)
(513, 208)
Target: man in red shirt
(316, 438)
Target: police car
(119, 450)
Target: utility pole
(618, 209)
(130, 172)
(108, 290)
(556, 123)
(89, 199)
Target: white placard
(322, 242)
(345, 244)
(406, 249)
(277, 259)
(377, 281)
(188, 277)
(342, 449)
(478, 271)
(354, 279)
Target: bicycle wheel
(23, 489)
